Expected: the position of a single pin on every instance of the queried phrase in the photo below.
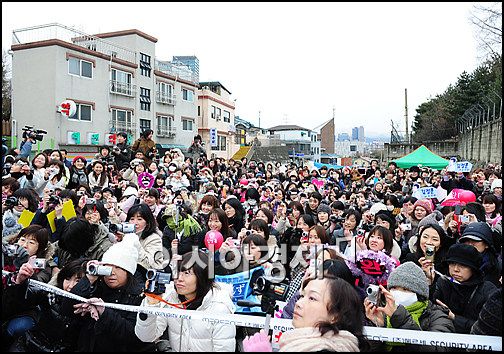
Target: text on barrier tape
(441, 339)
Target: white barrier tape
(441, 339)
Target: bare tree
(6, 87)
(488, 25)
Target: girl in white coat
(192, 290)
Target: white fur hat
(497, 183)
(124, 254)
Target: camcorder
(135, 162)
(156, 281)
(336, 219)
(30, 133)
(125, 228)
(14, 255)
(375, 295)
(97, 269)
(270, 292)
(54, 199)
(90, 201)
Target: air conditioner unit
(217, 118)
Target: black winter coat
(465, 300)
(115, 330)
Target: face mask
(404, 298)
(390, 207)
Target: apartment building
(216, 120)
(115, 79)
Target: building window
(218, 113)
(165, 93)
(187, 95)
(80, 67)
(83, 113)
(213, 110)
(121, 82)
(145, 124)
(199, 111)
(164, 125)
(227, 117)
(121, 122)
(145, 65)
(145, 100)
(187, 124)
(221, 140)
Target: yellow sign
(26, 218)
(68, 213)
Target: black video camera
(54, 199)
(11, 202)
(271, 292)
(30, 133)
(156, 281)
(336, 219)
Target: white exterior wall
(293, 135)
(342, 148)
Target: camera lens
(151, 274)
(91, 268)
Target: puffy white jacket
(193, 335)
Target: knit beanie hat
(324, 208)
(411, 277)
(432, 219)
(497, 183)
(124, 254)
(79, 157)
(464, 254)
(424, 203)
(10, 226)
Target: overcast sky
(295, 61)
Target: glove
(21, 257)
(259, 342)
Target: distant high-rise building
(191, 61)
(361, 134)
(355, 133)
(343, 137)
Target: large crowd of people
(348, 248)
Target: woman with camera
(136, 167)
(342, 237)
(30, 260)
(54, 177)
(12, 208)
(103, 329)
(192, 290)
(405, 304)
(327, 317)
(146, 145)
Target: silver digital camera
(96, 269)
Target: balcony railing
(165, 131)
(119, 126)
(74, 36)
(166, 99)
(122, 88)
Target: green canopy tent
(422, 156)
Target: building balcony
(166, 99)
(73, 36)
(122, 88)
(120, 126)
(166, 132)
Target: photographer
(103, 329)
(121, 151)
(26, 144)
(12, 208)
(136, 167)
(145, 145)
(192, 290)
(196, 150)
(406, 305)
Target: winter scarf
(189, 225)
(309, 339)
(415, 310)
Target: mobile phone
(464, 219)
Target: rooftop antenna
(406, 113)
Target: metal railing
(118, 126)
(122, 88)
(74, 36)
(166, 99)
(165, 131)
(176, 69)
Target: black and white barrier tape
(450, 340)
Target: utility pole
(259, 119)
(406, 114)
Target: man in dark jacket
(122, 151)
(464, 295)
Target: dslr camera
(125, 228)
(97, 269)
(54, 199)
(30, 133)
(336, 219)
(11, 202)
(156, 281)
